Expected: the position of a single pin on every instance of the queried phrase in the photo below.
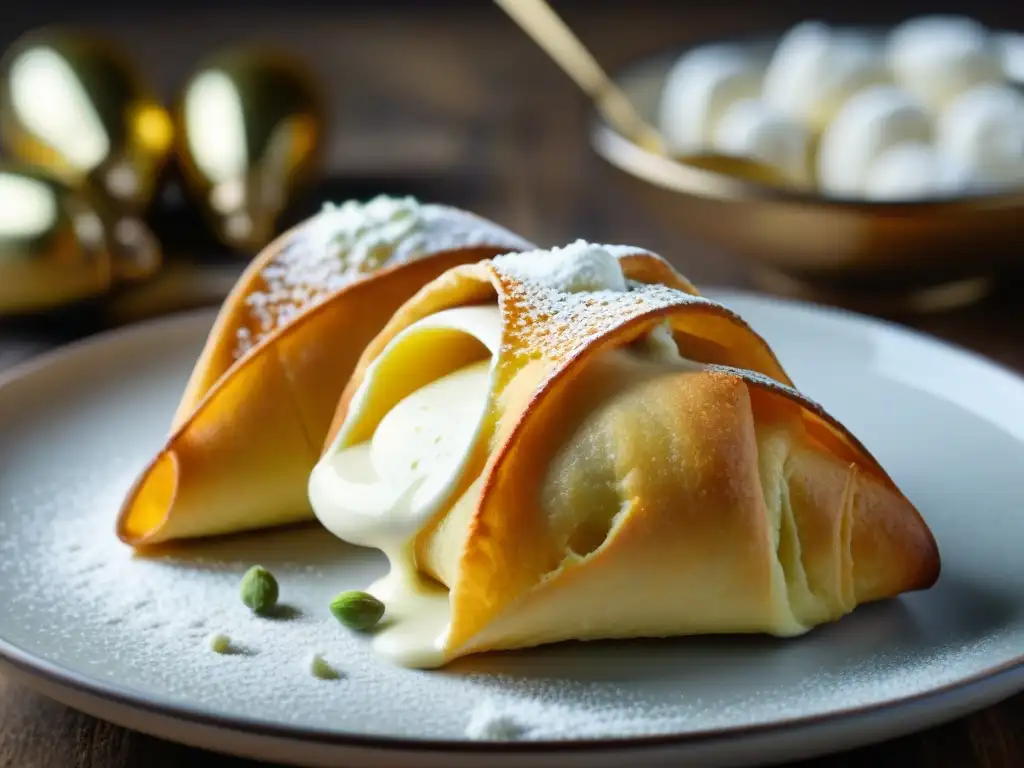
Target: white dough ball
(750, 128)
(870, 122)
(908, 171)
(937, 57)
(968, 179)
(814, 69)
(1011, 51)
(698, 90)
(915, 171)
(956, 178)
(963, 179)
(919, 30)
(982, 130)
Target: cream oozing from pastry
(381, 492)
(381, 487)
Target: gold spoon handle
(541, 23)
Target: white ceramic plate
(122, 638)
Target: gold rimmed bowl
(918, 256)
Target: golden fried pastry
(256, 410)
(573, 445)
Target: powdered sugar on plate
(156, 617)
(512, 718)
(160, 614)
(149, 621)
(145, 623)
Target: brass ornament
(60, 245)
(249, 127)
(76, 105)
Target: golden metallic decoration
(249, 125)
(890, 258)
(59, 245)
(75, 105)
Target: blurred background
(447, 100)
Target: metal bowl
(923, 255)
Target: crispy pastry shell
(619, 500)
(249, 427)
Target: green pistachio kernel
(259, 589)
(357, 610)
(218, 642)
(320, 669)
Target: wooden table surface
(458, 106)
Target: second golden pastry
(256, 409)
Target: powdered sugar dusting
(347, 242)
(142, 623)
(494, 721)
(513, 718)
(575, 268)
(556, 324)
(177, 615)
(557, 302)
